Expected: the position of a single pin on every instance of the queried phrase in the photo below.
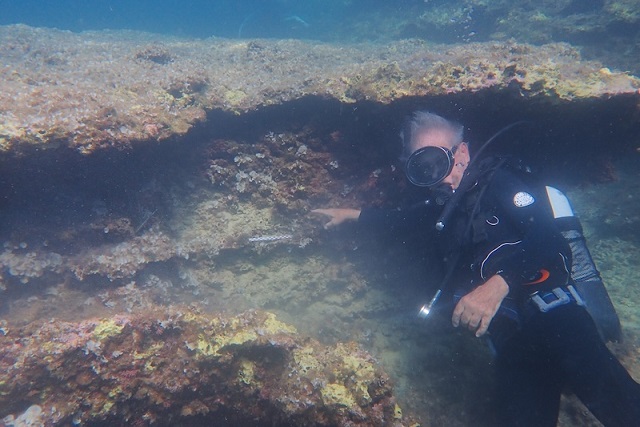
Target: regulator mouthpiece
(425, 310)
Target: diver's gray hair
(424, 121)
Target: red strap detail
(544, 275)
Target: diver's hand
(338, 215)
(476, 309)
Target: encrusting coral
(97, 90)
(170, 365)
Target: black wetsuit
(503, 226)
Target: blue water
(607, 31)
(196, 18)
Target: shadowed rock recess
(154, 215)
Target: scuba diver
(517, 272)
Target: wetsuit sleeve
(388, 223)
(538, 253)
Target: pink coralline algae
(170, 365)
(99, 90)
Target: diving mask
(430, 165)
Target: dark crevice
(571, 142)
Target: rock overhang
(99, 90)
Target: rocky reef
(155, 214)
(172, 367)
(603, 30)
(98, 90)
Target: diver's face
(442, 138)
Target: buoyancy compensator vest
(584, 274)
